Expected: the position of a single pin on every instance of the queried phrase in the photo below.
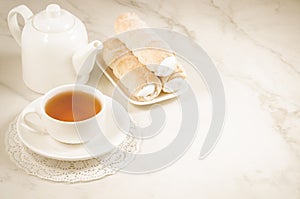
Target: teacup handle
(34, 108)
(12, 21)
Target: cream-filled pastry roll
(140, 83)
(113, 49)
(128, 21)
(147, 46)
(174, 82)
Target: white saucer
(45, 145)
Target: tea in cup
(69, 113)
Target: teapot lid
(53, 20)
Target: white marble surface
(254, 44)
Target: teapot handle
(12, 21)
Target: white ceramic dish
(112, 78)
(45, 145)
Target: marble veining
(281, 110)
(255, 46)
(169, 21)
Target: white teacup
(71, 132)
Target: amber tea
(72, 106)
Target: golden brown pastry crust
(148, 47)
(178, 73)
(133, 75)
(128, 21)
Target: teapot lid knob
(53, 20)
(53, 10)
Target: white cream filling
(146, 90)
(166, 67)
(174, 85)
(170, 62)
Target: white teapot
(55, 48)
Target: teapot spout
(84, 60)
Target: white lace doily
(68, 171)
